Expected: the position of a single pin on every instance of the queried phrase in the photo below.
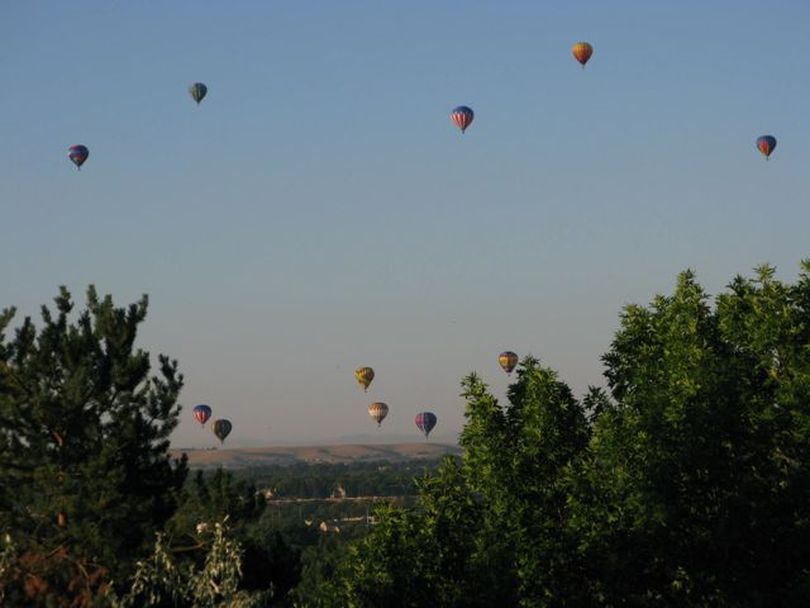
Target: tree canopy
(85, 475)
(684, 482)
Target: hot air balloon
(582, 52)
(462, 116)
(766, 144)
(425, 421)
(202, 413)
(222, 428)
(198, 91)
(78, 154)
(364, 376)
(508, 361)
(378, 412)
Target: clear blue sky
(319, 210)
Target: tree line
(683, 481)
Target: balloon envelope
(78, 154)
(462, 116)
(202, 413)
(766, 144)
(425, 421)
(222, 428)
(378, 411)
(582, 51)
(198, 91)
(364, 376)
(508, 361)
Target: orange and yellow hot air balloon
(378, 412)
(582, 52)
(364, 376)
(508, 361)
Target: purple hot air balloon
(425, 421)
(78, 154)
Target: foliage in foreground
(687, 483)
(85, 475)
(162, 580)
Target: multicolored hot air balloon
(425, 421)
(202, 413)
(198, 91)
(222, 428)
(462, 116)
(364, 376)
(582, 52)
(78, 154)
(766, 144)
(378, 412)
(508, 361)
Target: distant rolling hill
(253, 457)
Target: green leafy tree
(161, 581)
(696, 488)
(418, 557)
(85, 475)
(686, 483)
(320, 563)
(269, 563)
(491, 531)
(211, 498)
(516, 459)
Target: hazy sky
(320, 211)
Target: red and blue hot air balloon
(766, 144)
(78, 154)
(425, 421)
(202, 413)
(462, 116)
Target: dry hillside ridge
(251, 457)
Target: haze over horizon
(319, 211)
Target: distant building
(339, 492)
(267, 493)
(325, 527)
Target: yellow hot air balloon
(364, 376)
(582, 52)
(508, 361)
(378, 412)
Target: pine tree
(85, 475)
